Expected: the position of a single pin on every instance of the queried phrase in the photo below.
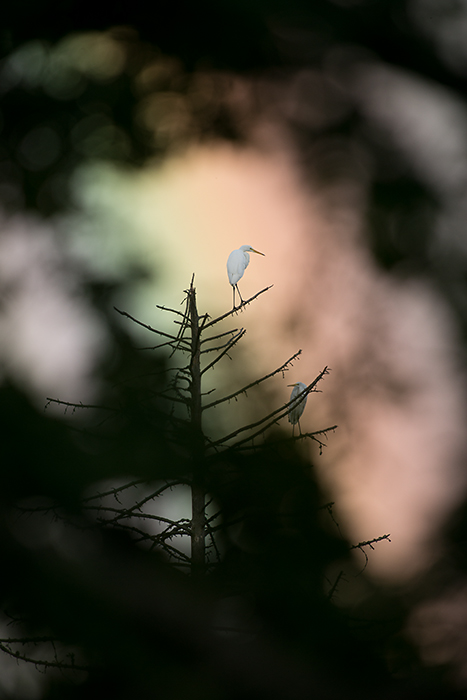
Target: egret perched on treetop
(296, 410)
(237, 263)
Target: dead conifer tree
(177, 404)
(196, 342)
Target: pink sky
(393, 466)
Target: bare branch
(329, 508)
(368, 543)
(219, 335)
(136, 482)
(40, 662)
(237, 308)
(145, 537)
(323, 431)
(169, 343)
(74, 406)
(244, 389)
(145, 325)
(185, 322)
(335, 584)
(173, 311)
(229, 346)
(313, 435)
(129, 512)
(274, 415)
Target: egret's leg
(233, 290)
(299, 427)
(239, 294)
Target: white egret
(296, 410)
(237, 263)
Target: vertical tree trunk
(198, 488)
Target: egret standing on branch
(237, 263)
(296, 409)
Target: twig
(334, 586)
(368, 543)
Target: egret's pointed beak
(256, 251)
(293, 384)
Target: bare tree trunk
(198, 489)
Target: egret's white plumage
(237, 263)
(296, 410)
